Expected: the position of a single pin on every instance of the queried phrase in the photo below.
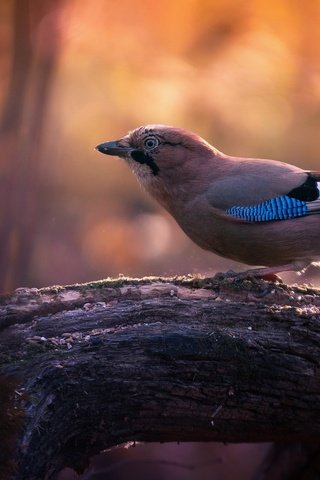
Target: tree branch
(86, 367)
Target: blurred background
(244, 74)
(74, 73)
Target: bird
(259, 212)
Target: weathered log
(86, 367)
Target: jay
(255, 211)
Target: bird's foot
(263, 273)
(254, 274)
(271, 277)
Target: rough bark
(86, 367)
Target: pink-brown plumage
(199, 185)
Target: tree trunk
(21, 130)
(86, 367)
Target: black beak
(113, 148)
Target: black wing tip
(308, 191)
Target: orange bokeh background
(243, 74)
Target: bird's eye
(151, 142)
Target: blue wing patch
(279, 208)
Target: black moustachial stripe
(307, 192)
(142, 157)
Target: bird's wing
(315, 175)
(253, 198)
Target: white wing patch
(314, 207)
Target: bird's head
(161, 156)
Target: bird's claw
(252, 275)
